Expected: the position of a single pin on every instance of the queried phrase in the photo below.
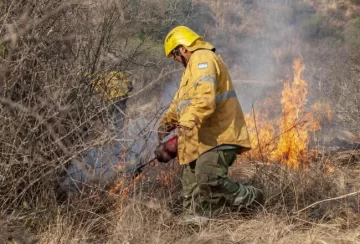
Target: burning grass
(145, 218)
(286, 139)
(310, 197)
(49, 115)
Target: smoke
(135, 141)
(258, 40)
(259, 49)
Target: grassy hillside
(52, 55)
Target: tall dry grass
(50, 113)
(285, 218)
(49, 110)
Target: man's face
(177, 58)
(176, 54)
(181, 51)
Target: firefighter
(211, 127)
(114, 89)
(113, 86)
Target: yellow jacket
(206, 102)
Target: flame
(123, 187)
(126, 185)
(165, 178)
(293, 135)
(290, 145)
(261, 132)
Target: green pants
(206, 185)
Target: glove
(162, 155)
(166, 151)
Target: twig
(278, 136)
(257, 134)
(160, 77)
(38, 117)
(329, 199)
(32, 24)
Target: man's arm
(169, 121)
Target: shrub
(352, 33)
(357, 2)
(317, 27)
(299, 12)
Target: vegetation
(52, 114)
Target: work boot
(248, 197)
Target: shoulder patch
(202, 66)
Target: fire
(293, 134)
(125, 185)
(122, 186)
(290, 145)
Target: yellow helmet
(180, 35)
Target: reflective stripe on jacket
(206, 102)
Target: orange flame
(125, 186)
(122, 187)
(290, 147)
(293, 136)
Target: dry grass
(49, 114)
(262, 228)
(144, 219)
